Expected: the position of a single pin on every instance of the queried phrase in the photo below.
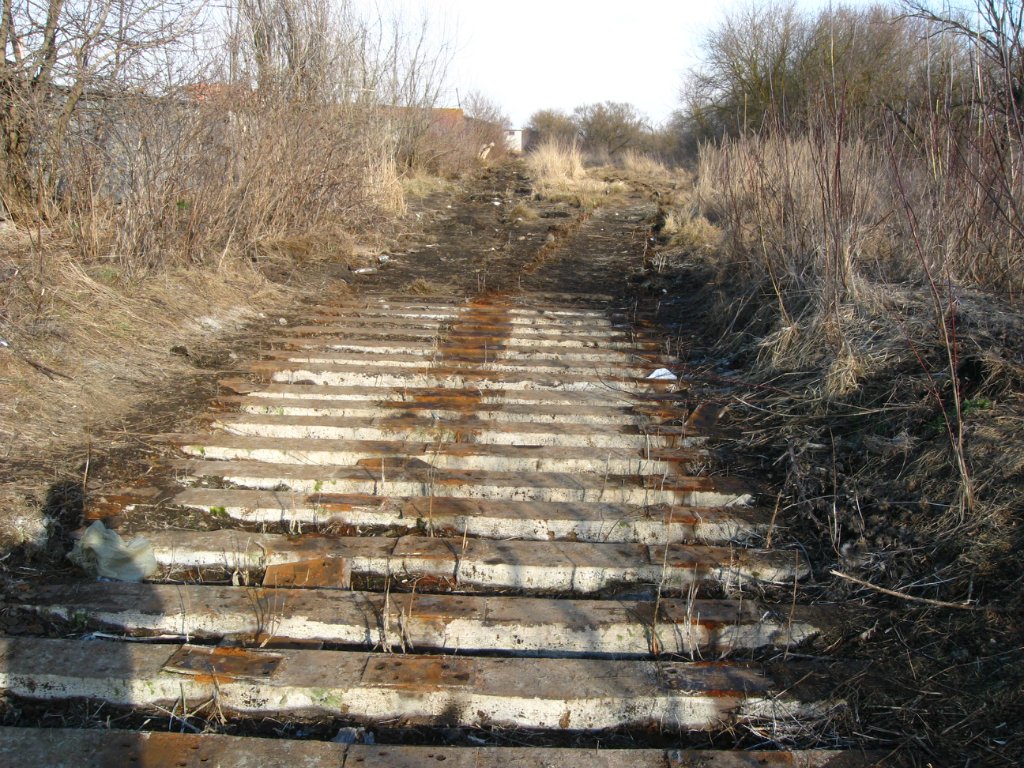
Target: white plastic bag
(663, 374)
(103, 552)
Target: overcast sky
(527, 55)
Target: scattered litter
(365, 270)
(663, 374)
(383, 258)
(351, 735)
(496, 202)
(4, 343)
(282, 321)
(103, 552)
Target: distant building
(519, 140)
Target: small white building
(518, 140)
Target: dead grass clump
(692, 234)
(844, 373)
(418, 184)
(681, 226)
(523, 211)
(339, 247)
(555, 163)
(422, 287)
(642, 166)
(559, 175)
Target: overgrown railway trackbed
(455, 528)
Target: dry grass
(643, 166)
(873, 311)
(86, 348)
(818, 249)
(422, 287)
(690, 233)
(559, 175)
(870, 289)
(681, 226)
(418, 184)
(859, 448)
(556, 163)
(523, 212)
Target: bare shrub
(775, 67)
(150, 164)
(749, 72)
(796, 226)
(604, 131)
(452, 142)
(609, 128)
(487, 123)
(62, 59)
(296, 132)
(553, 125)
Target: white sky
(527, 55)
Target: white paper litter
(103, 552)
(664, 374)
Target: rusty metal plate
(223, 663)
(321, 573)
(420, 673)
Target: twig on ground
(911, 598)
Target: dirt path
(446, 515)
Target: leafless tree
(610, 127)
(62, 54)
(479, 106)
(994, 33)
(554, 125)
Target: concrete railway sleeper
(467, 517)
